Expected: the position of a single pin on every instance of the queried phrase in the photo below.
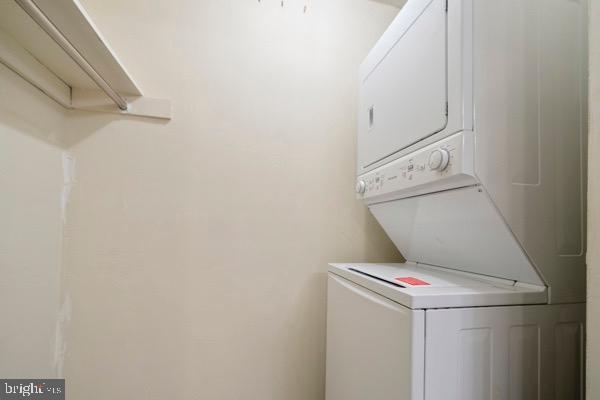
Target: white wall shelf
(54, 45)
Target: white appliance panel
(458, 229)
(412, 174)
(531, 133)
(403, 90)
(375, 347)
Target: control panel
(437, 163)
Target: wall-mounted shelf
(54, 45)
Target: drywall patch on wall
(64, 316)
(68, 166)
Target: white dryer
(471, 156)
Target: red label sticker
(412, 281)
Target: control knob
(439, 159)
(361, 186)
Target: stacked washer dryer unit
(471, 155)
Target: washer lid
(422, 286)
(458, 229)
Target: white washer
(392, 336)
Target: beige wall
(196, 249)
(593, 252)
(31, 183)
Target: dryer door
(403, 83)
(375, 347)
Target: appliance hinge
(446, 5)
(446, 109)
